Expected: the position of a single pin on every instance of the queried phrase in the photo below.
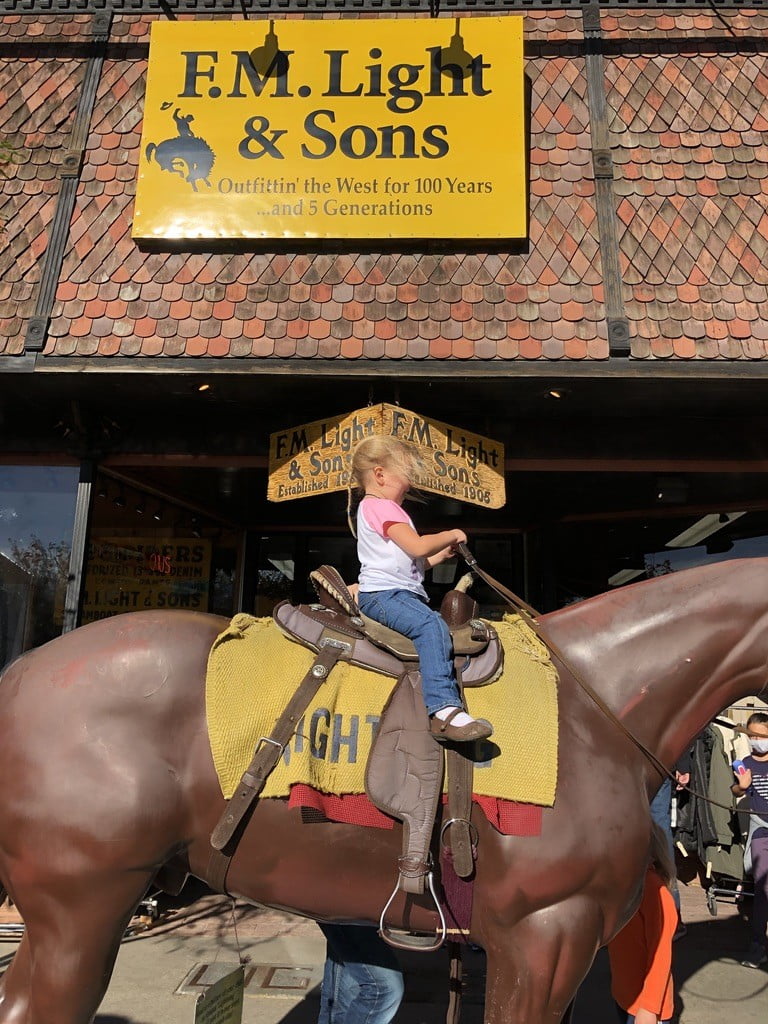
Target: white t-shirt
(383, 564)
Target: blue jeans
(661, 813)
(410, 615)
(362, 982)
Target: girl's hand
(744, 781)
(682, 779)
(441, 556)
(459, 537)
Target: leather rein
(531, 617)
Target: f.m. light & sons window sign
(401, 128)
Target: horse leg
(73, 928)
(536, 967)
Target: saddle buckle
(268, 739)
(340, 645)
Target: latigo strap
(268, 752)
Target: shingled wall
(687, 99)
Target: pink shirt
(383, 564)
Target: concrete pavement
(158, 972)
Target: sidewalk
(286, 956)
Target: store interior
(607, 483)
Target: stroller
(712, 834)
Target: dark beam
(267, 8)
(37, 326)
(561, 370)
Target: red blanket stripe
(511, 819)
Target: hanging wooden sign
(314, 458)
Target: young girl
(753, 780)
(393, 558)
(641, 954)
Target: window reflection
(148, 552)
(276, 573)
(37, 509)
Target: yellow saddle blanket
(253, 670)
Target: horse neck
(668, 655)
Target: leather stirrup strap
(460, 770)
(270, 748)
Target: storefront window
(338, 551)
(146, 552)
(502, 557)
(276, 573)
(37, 509)
(285, 562)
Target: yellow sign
(128, 574)
(314, 458)
(396, 128)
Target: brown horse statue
(107, 778)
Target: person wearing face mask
(752, 781)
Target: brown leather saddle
(404, 775)
(476, 645)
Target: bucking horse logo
(187, 154)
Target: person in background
(661, 813)
(641, 954)
(362, 980)
(752, 781)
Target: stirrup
(412, 940)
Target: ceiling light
(702, 529)
(624, 576)
(119, 500)
(284, 565)
(204, 387)
(227, 481)
(269, 60)
(454, 60)
(671, 490)
(157, 515)
(555, 393)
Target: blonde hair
(382, 451)
(370, 453)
